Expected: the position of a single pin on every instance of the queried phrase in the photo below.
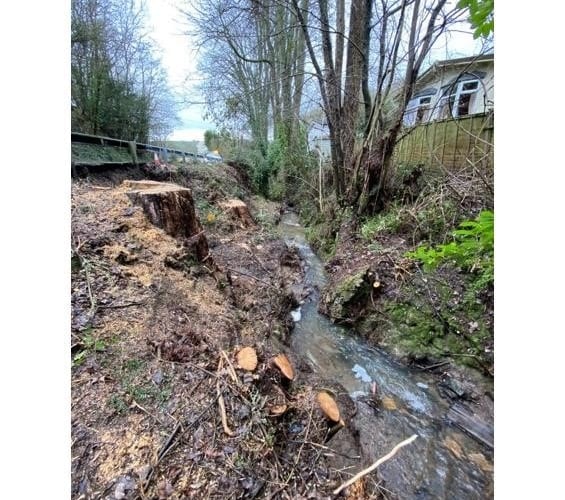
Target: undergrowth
(472, 249)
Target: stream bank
(452, 458)
(154, 342)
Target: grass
(135, 385)
(95, 153)
(384, 222)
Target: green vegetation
(85, 153)
(90, 344)
(481, 16)
(118, 84)
(134, 386)
(472, 249)
(383, 222)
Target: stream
(452, 457)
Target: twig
(120, 306)
(137, 405)
(250, 276)
(484, 366)
(311, 443)
(381, 460)
(431, 367)
(221, 404)
(169, 444)
(231, 369)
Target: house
(319, 137)
(452, 89)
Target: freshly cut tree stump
(171, 208)
(240, 211)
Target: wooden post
(133, 152)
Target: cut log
(171, 208)
(240, 211)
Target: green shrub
(385, 222)
(472, 248)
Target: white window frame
(416, 107)
(457, 95)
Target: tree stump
(240, 211)
(171, 208)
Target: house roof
(455, 62)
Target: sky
(180, 60)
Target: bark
(356, 58)
(377, 163)
(240, 211)
(171, 208)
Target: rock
(157, 377)
(125, 487)
(348, 295)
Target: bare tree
(119, 87)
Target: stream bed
(452, 457)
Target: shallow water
(442, 462)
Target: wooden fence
(451, 143)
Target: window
(423, 107)
(417, 110)
(459, 101)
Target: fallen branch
(231, 369)
(431, 367)
(250, 276)
(221, 404)
(121, 306)
(381, 460)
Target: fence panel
(450, 143)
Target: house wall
(481, 101)
(319, 137)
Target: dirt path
(154, 343)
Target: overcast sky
(180, 60)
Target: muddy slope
(160, 408)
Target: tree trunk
(171, 208)
(240, 211)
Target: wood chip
(247, 359)
(283, 364)
(278, 410)
(328, 406)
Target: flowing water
(445, 461)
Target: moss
(351, 291)
(322, 238)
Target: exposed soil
(155, 336)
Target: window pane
(463, 105)
(470, 86)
